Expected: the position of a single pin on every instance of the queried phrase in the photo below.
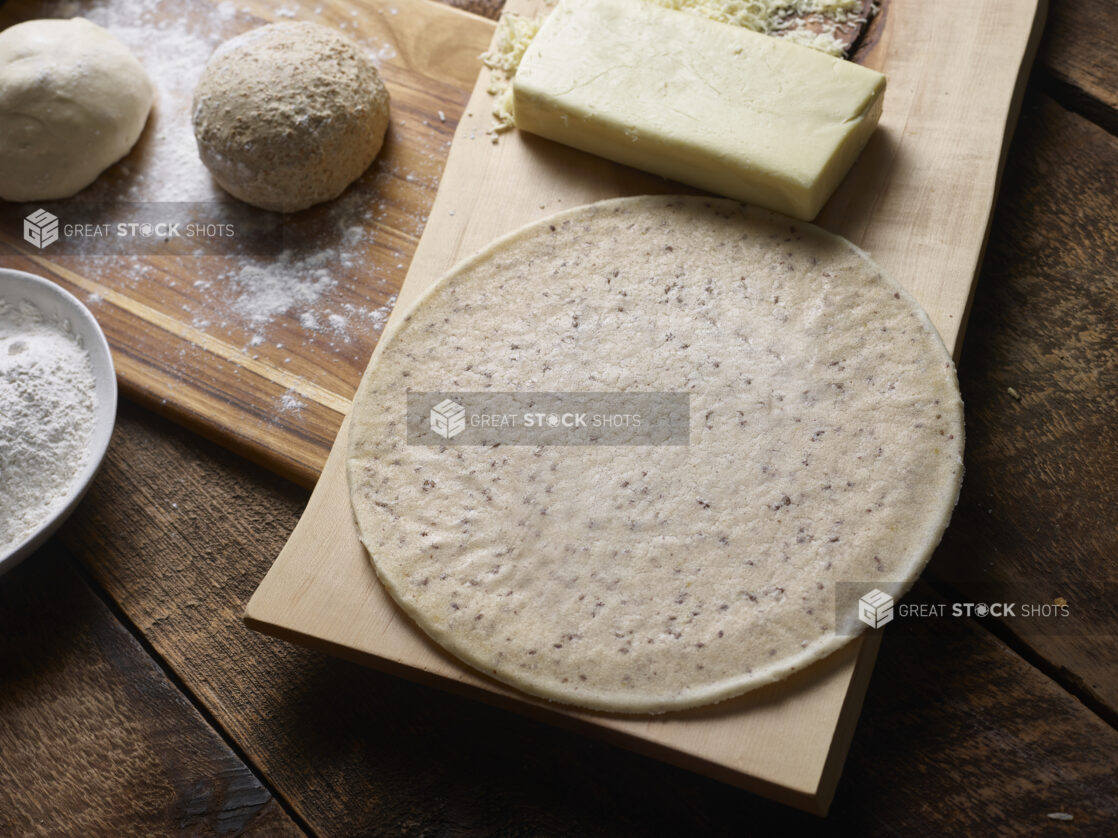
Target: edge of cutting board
(787, 741)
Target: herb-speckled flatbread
(826, 434)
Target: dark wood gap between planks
(1078, 63)
(1077, 100)
(188, 694)
(1069, 681)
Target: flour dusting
(265, 290)
(330, 259)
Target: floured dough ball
(288, 115)
(73, 101)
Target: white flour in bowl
(47, 402)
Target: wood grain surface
(961, 733)
(1081, 59)
(86, 717)
(1037, 515)
(954, 716)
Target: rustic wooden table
(133, 700)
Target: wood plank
(959, 734)
(907, 200)
(992, 745)
(95, 738)
(199, 337)
(1081, 60)
(1036, 516)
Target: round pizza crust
(825, 452)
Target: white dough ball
(288, 115)
(73, 101)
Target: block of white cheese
(716, 106)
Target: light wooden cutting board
(919, 200)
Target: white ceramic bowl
(60, 306)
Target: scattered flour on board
(290, 402)
(174, 49)
(266, 289)
(174, 43)
(47, 403)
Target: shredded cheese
(514, 34)
(813, 23)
